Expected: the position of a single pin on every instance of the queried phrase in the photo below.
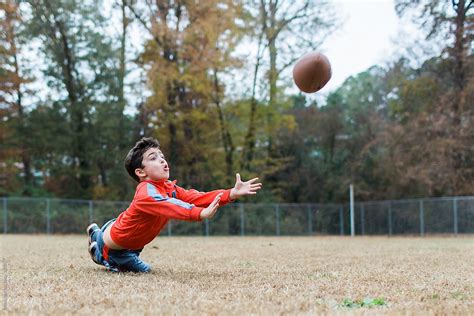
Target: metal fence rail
(453, 215)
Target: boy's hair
(134, 157)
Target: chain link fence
(454, 215)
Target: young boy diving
(117, 245)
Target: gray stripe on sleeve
(151, 190)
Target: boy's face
(155, 166)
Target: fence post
(169, 228)
(5, 211)
(341, 220)
(48, 217)
(242, 221)
(5, 284)
(390, 229)
(351, 199)
(310, 220)
(206, 224)
(91, 217)
(455, 216)
(422, 219)
(277, 215)
(362, 219)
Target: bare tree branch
(144, 24)
(469, 5)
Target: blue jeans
(123, 260)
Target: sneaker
(92, 248)
(110, 268)
(90, 231)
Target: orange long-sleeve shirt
(154, 204)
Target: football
(311, 72)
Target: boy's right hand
(209, 211)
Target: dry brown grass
(250, 275)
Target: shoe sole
(89, 249)
(87, 231)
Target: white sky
(365, 38)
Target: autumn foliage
(212, 81)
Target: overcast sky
(365, 39)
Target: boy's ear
(140, 173)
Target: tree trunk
(459, 54)
(122, 73)
(103, 174)
(272, 76)
(460, 51)
(249, 142)
(225, 134)
(22, 129)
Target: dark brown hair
(134, 157)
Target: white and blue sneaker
(92, 249)
(91, 229)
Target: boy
(117, 245)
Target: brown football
(311, 72)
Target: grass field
(250, 275)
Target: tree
(190, 48)
(11, 92)
(85, 73)
(114, 130)
(446, 123)
(451, 20)
(282, 30)
(353, 117)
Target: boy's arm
(205, 199)
(202, 199)
(150, 201)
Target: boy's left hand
(244, 188)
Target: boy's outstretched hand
(209, 211)
(244, 188)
